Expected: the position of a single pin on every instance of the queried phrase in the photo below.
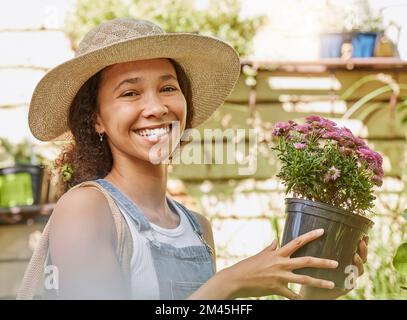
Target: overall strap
(196, 220)
(127, 204)
(193, 220)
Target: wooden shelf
(329, 64)
(21, 214)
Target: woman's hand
(360, 258)
(270, 271)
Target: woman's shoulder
(87, 198)
(82, 244)
(203, 221)
(83, 209)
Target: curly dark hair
(87, 157)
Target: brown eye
(130, 94)
(169, 89)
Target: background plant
(361, 17)
(222, 18)
(356, 16)
(322, 162)
(11, 153)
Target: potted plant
(364, 26)
(331, 175)
(356, 25)
(20, 179)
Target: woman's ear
(99, 127)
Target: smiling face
(138, 103)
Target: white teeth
(153, 132)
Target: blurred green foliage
(356, 16)
(14, 153)
(222, 18)
(22, 152)
(400, 259)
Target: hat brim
(212, 67)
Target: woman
(126, 92)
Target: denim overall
(180, 271)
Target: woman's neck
(143, 182)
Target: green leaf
(400, 259)
(405, 214)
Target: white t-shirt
(144, 283)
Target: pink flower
(281, 129)
(318, 122)
(348, 139)
(374, 161)
(327, 122)
(303, 128)
(346, 133)
(291, 123)
(331, 135)
(378, 157)
(379, 172)
(359, 142)
(377, 180)
(332, 174)
(299, 146)
(328, 125)
(311, 119)
(367, 155)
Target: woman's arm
(82, 247)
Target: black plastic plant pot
(343, 231)
(36, 174)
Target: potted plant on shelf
(350, 31)
(365, 27)
(331, 175)
(20, 179)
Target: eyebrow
(134, 80)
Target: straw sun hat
(211, 65)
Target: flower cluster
(66, 172)
(327, 163)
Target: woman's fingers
(288, 293)
(362, 250)
(302, 240)
(311, 262)
(359, 264)
(308, 281)
(273, 245)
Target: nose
(154, 106)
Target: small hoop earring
(101, 136)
